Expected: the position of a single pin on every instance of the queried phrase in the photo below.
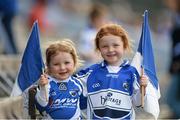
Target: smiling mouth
(112, 55)
(62, 73)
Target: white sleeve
(136, 97)
(42, 95)
(151, 104)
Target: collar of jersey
(125, 63)
(57, 81)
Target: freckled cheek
(51, 71)
(71, 67)
(103, 52)
(122, 53)
(54, 69)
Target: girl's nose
(110, 49)
(62, 66)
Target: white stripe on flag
(16, 91)
(136, 62)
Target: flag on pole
(31, 64)
(144, 58)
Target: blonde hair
(64, 45)
(113, 29)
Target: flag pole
(45, 87)
(142, 88)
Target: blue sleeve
(84, 72)
(83, 102)
(83, 75)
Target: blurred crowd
(79, 20)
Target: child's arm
(150, 97)
(42, 95)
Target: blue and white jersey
(111, 90)
(64, 99)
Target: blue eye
(67, 62)
(104, 46)
(116, 45)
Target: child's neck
(116, 64)
(57, 80)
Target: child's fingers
(144, 80)
(44, 75)
(43, 80)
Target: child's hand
(144, 80)
(43, 80)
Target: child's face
(61, 66)
(111, 48)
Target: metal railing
(9, 65)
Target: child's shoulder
(75, 79)
(127, 65)
(95, 66)
(92, 67)
(87, 71)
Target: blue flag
(146, 51)
(144, 58)
(32, 63)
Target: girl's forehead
(62, 54)
(111, 37)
